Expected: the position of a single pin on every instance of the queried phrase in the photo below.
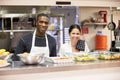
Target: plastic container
(101, 42)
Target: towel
(80, 45)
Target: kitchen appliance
(103, 15)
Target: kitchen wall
(68, 12)
(86, 13)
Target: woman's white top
(66, 50)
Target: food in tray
(25, 54)
(4, 53)
(84, 55)
(84, 59)
(109, 57)
(59, 60)
(4, 63)
(65, 58)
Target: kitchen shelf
(96, 24)
(16, 30)
(25, 30)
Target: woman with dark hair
(75, 45)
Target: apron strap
(33, 39)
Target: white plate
(4, 65)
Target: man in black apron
(38, 41)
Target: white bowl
(31, 59)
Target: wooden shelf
(96, 24)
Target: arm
(62, 52)
(20, 47)
(24, 44)
(52, 46)
(53, 51)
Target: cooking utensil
(111, 25)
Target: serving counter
(100, 70)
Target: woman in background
(75, 45)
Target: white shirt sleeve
(65, 50)
(86, 48)
(62, 51)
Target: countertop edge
(13, 71)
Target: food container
(5, 56)
(85, 58)
(3, 63)
(31, 59)
(109, 56)
(59, 60)
(101, 42)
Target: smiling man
(38, 41)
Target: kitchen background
(21, 21)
